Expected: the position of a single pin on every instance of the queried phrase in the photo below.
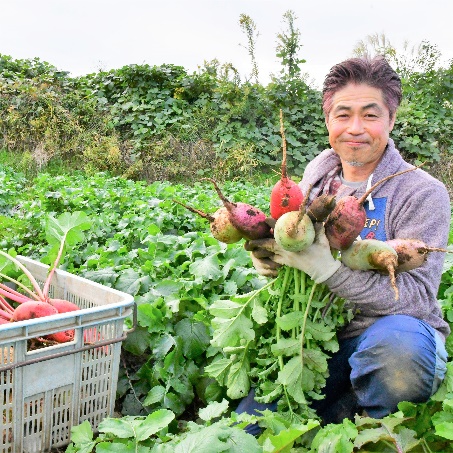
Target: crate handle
(134, 319)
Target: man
(392, 350)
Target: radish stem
(4, 305)
(26, 272)
(11, 292)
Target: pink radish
(220, 224)
(369, 254)
(412, 253)
(348, 218)
(250, 221)
(286, 195)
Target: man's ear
(392, 122)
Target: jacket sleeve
(423, 213)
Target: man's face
(359, 125)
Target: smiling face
(359, 125)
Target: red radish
(63, 306)
(219, 222)
(62, 337)
(250, 221)
(294, 231)
(35, 302)
(369, 254)
(286, 195)
(412, 253)
(348, 218)
(321, 207)
(33, 309)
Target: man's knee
(395, 361)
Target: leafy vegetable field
(209, 325)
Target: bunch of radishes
(36, 302)
(294, 230)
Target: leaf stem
(296, 302)
(304, 324)
(278, 330)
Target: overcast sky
(83, 36)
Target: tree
(418, 58)
(289, 45)
(249, 28)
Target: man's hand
(262, 259)
(316, 261)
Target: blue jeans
(398, 358)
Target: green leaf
(130, 447)
(335, 438)
(284, 440)
(238, 381)
(217, 438)
(67, 227)
(225, 308)
(168, 287)
(259, 313)
(218, 369)
(290, 320)
(213, 410)
(195, 336)
(286, 346)
(129, 282)
(315, 360)
(443, 423)
(229, 332)
(445, 429)
(318, 331)
(154, 423)
(155, 395)
(82, 436)
(207, 268)
(298, 380)
(123, 428)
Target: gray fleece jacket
(414, 205)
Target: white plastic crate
(44, 392)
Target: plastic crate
(46, 391)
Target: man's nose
(355, 125)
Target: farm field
(206, 323)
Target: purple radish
(250, 221)
(219, 222)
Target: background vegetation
(161, 123)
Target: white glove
(316, 261)
(262, 262)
